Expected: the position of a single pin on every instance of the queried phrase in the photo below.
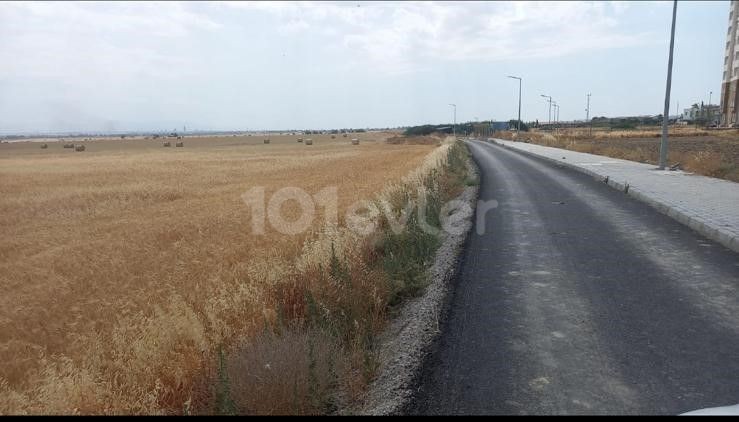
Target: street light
(518, 125)
(587, 117)
(549, 100)
(665, 117)
(454, 128)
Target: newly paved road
(578, 299)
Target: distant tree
(513, 124)
(420, 130)
(623, 124)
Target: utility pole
(518, 124)
(454, 128)
(710, 112)
(665, 117)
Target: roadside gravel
(406, 341)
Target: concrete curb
(706, 229)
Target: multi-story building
(729, 91)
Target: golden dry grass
(712, 153)
(124, 267)
(638, 132)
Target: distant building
(708, 113)
(729, 99)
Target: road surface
(578, 299)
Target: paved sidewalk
(707, 205)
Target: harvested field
(709, 153)
(125, 268)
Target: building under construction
(729, 92)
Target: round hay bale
(167, 144)
(179, 145)
(44, 146)
(333, 136)
(266, 141)
(79, 148)
(300, 139)
(309, 141)
(68, 145)
(355, 141)
(344, 135)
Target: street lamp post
(665, 117)
(518, 124)
(549, 100)
(454, 128)
(587, 117)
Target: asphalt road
(580, 300)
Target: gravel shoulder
(407, 339)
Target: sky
(140, 66)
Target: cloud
(134, 60)
(378, 36)
(407, 36)
(56, 39)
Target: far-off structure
(729, 91)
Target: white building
(708, 112)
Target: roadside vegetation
(319, 352)
(713, 153)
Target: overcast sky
(232, 66)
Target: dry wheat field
(123, 267)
